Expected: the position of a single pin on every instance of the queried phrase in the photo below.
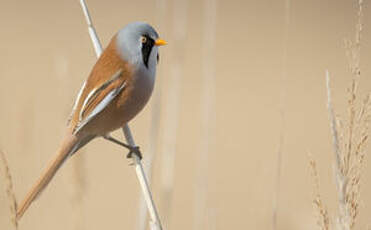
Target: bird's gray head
(138, 44)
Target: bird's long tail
(69, 145)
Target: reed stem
(155, 220)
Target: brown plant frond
(323, 220)
(9, 189)
(353, 133)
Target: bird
(116, 90)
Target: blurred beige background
(46, 54)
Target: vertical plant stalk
(343, 220)
(151, 155)
(323, 220)
(155, 220)
(350, 137)
(282, 106)
(9, 190)
(354, 138)
(333, 124)
(79, 189)
(172, 106)
(201, 209)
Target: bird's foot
(134, 150)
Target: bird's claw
(134, 150)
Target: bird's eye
(143, 39)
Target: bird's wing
(98, 99)
(76, 103)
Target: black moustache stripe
(146, 49)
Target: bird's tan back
(107, 66)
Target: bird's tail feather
(69, 145)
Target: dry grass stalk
(155, 220)
(9, 190)
(171, 113)
(353, 138)
(282, 105)
(208, 118)
(323, 220)
(78, 181)
(349, 139)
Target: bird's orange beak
(160, 42)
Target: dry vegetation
(9, 190)
(155, 222)
(349, 138)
